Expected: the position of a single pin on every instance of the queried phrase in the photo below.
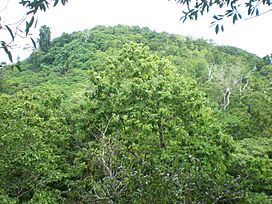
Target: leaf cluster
(228, 9)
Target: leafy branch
(30, 19)
(233, 9)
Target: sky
(254, 35)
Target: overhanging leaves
(10, 32)
(4, 46)
(232, 9)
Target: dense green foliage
(128, 115)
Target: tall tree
(147, 122)
(44, 38)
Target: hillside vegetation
(128, 115)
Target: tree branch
(258, 15)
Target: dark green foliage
(128, 115)
(29, 19)
(44, 38)
(223, 9)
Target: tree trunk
(161, 136)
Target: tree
(33, 139)
(44, 38)
(147, 138)
(32, 7)
(228, 9)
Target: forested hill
(128, 115)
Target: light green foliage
(33, 140)
(46, 197)
(257, 198)
(252, 166)
(127, 115)
(5, 199)
(140, 104)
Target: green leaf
(42, 7)
(7, 51)
(257, 12)
(31, 21)
(34, 44)
(234, 18)
(64, 2)
(217, 28)
(56, 2)
(11, 33)
(36, 22)
(217, 17)
(17, 66)
(31, 11)
(29, 24)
